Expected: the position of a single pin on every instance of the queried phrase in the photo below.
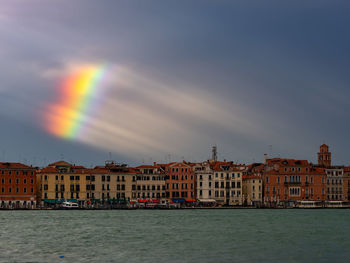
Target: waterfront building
(61, 181)
(335, 177)
(252, 185)
(18, 185)
(111, 184)
(180, 181)
(287, 181)
(150, 183)
(122, 186)
(227, 179)
(346, 184)
(205, 183)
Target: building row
(277, 182)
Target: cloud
(140, 114)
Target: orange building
(180, 181)
(287, 181)
(18, 185)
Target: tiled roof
(60, 163)
(6, 165)
(287, 162)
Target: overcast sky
(251, 77)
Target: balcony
(292, 183)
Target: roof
(287, 162)
(346, 169)
(60, 163)
(146, 166)
(7, 165)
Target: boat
(69, 205)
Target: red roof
(287, 162)
(6, 165)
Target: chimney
(265, 158)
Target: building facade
(288, 181)
(150, 183)
(18, 185)
(335, 179)
(180, 181)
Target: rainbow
(77, 95)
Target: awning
(207, 200)
(190, 200)
(143, 201)
(59, 201)
(178, 200)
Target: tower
(324, 156)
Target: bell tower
(324, 156)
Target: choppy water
(235, 235)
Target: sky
(175, 78)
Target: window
(77, 177)
(267, 179)
(25, 181)
(25, 189)
(278, 179)
(200, 192)
(71, 177)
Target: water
(233, 235)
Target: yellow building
(150, 183)
(252, 190)
(61, 180)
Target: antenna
(214, 153)
(270, 149)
